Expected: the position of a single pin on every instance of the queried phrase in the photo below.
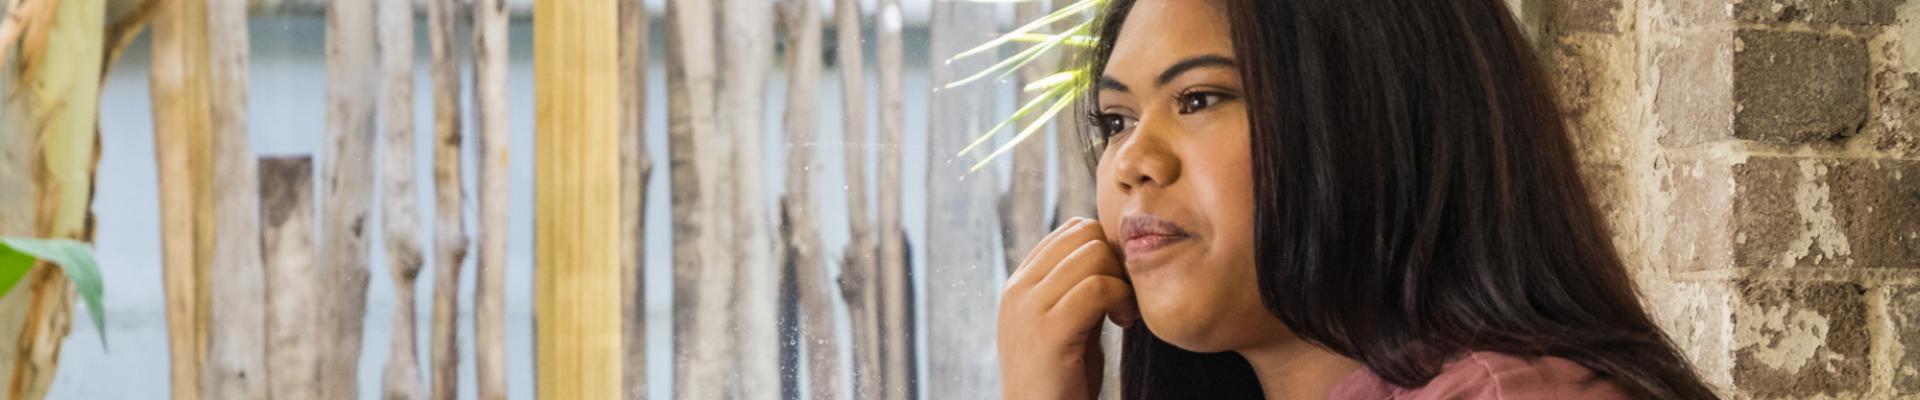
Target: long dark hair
(1415, 198)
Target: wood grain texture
(702, 269)
(347, 190)
(744, 215)
(636, 169)
(287, 245)
(801, 18)
(577, 217)
(399, 201)
(178, 78)
(896, 300)
(490, 279)
(236, 363)
(449, 226)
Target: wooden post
(237, 345)
(351, 72)
(400, 214)
(801, 18)
(747, 49)
(449, 228)
(490, 281)
(859, 263)
(61, 94)
(636, 168)
(701, 266)
(577, 179)
(287, 244)
(178, 78)
(963, 287)
(896, 300)
(1023, 212)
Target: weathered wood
(400, 204)
(746, 61)
(236, 364)
(63, 107)
(859, 261)
(490, 281)
(182, 122)
(636, 168)
(449, 228)
(801, 19)
(701, 266)
(896, 300)
(960, 205)
(577, 198)
(287, 246)
(352, 70)
(1023, 212)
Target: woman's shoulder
(1490, 375)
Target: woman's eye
(1110, 124)
(1193, 102)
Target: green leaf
(17, 255)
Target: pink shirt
(1486, 375)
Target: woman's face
(1175, 179)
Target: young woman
(1349, 199)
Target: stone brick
(1788, 212)
(1800, 339)
(1798, 87)
(1854, 12)
(1586, 15)
(1693, 101)
(1904, 309)
(1694, 13)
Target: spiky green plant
(1058, 90)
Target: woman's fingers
(1048, 254)
(1094, 257)
(1091, 300)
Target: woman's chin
(1189, 328)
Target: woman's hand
(1050, 314)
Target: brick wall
(1760, 163)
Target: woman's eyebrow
(1108, 83)
(1192, 63)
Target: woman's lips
(1145, 234)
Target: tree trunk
(701, 268)
(400, 214)
(961, 295)
(490, 282)
(178, 76)
(896, 299)
(1023, 212)
(859, 265)
(236, 358)
(348, 196)
(801, 18)
(449, 229)
(63, 108)
(287, 246)
(577, 199)
(745, 59)
(636, 168)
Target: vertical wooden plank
(963, 289)
(896, 300)
(1023, 212)
(449, 227)
(636, 169)
(178, 76)
(400, 214)
(236, 357)
(352, 68)
(577, 180)
(701, 268)
(490, 281)
(859, 264)
(287, 249)
(746, 61)
(64, 102)
(801, 18)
